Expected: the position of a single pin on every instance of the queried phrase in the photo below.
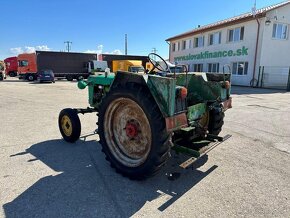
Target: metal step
(195, 155)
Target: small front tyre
(69, 125)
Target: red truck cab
(27, 67)
(11, 66)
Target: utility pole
(126, 44)
(68, 45)
(154, 50)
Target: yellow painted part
(149, 66)
(66, 125)
(123, 65)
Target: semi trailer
(67, 65)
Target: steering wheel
(158, 63)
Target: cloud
(100, 51)
(90, 51)
(16, 51)
(117, 52)
(42, 48)
(29, 49)
(100, 47)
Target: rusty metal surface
(200, 89)
(188, 163)
(196, 111)
(129, 149)
(227, 104)
(163, 91)
(176, 122)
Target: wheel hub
(131, 130)
(127, 139)
(66, 125)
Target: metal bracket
(203, 151)
(85, 111)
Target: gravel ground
(43, 176)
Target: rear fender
(162, 89)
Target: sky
(100, 26)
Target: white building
(245, 42)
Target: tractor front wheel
(69, 125)
(133, 133)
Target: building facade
(247, 43)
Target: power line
(68, 45)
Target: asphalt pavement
(43, 176)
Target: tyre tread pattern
(216, 121)
(160, 137)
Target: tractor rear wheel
(69, 125)
(216, 121)
(133, 133)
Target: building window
(213, 68)
(199, 42)
(240, 68)
(183, 45)
(198, 68)
(236, 35)
(173, 47)
(189, 43)
(215, 38)
(280, 31)
(178, 46)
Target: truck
(11, 65)
(2, 70)
(143, 118)
(134, 66)
(131, 63)
(67, 65)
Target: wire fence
(274, 77)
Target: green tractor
(142, 117)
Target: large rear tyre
(69, 125)
(216, 121)
(133, 133)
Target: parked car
(45, 76)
